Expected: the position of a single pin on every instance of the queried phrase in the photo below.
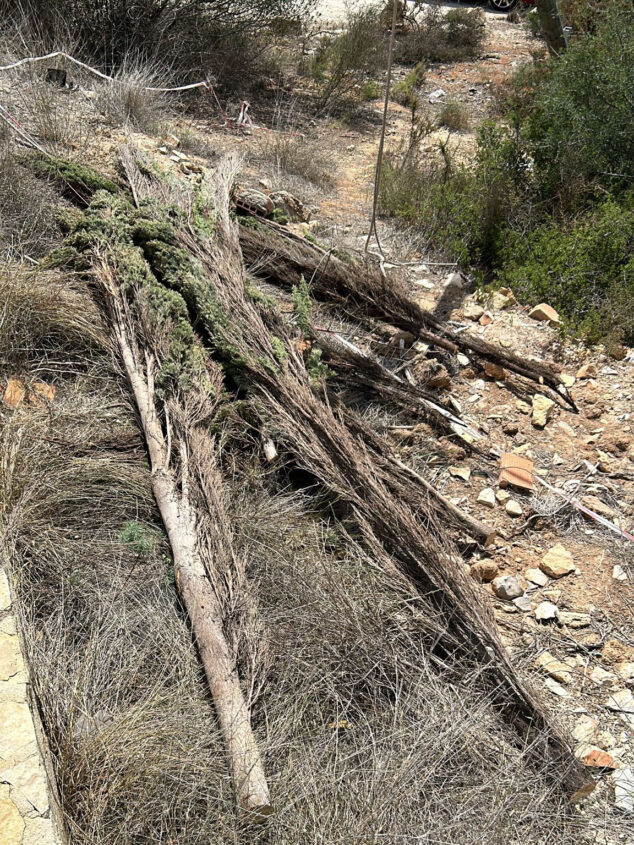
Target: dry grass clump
(127, 101)
(440, 36)
(27, 210)
(289, 156)
(454, 116)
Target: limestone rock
(10, 656)
(566, 379)
(618, 573)
(523, 603)
(11, 822)
(585, 729)
(544, 312)
(473, 311)
(5, 593)
(621, 701)
(254, 202)
(484, 570)
(573, 619)
(460, 472)
(513, 508)
(553, 667)
(18, 732)
(587, 371)
(600, 676)
(39, 831)
(487, 497)
(290, 206)
(623, 781)
(27, 778)
(625, 671)
(546, 611)
(507, 587)
(536, 576)
(542, 408)
(595, 504)
(557, 562)
(556, 688)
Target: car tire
(502, 5)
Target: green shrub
(584, 268)
(405, 92)
(581, 125)
(343, 63)
(452, 37)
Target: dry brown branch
(360, 288)
(323, 444)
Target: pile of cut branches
(193, 335)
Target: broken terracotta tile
(516, 471)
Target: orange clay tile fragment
(516, 471)
(14, 393)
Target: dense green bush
(547, 206)
(585, 268)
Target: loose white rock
(546, 611)
(513, 508)
(487, 497)
(623, 780)
(507, 587)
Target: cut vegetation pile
(199, 511)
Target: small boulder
(623, 781)
(553, 667)
(585, 729)
(542, 408)
(587, 371)
(460, 472)
(290, 207)
(544, 312)
(473, 311)
(484, 571)
(621, 701)
(513, 508)
(557, 562)
(595, 757)
(546, 611)
(507, 587)
(572, 619)
(254, 202)
(536, 576)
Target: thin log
(191, 573)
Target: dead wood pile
(177, 290)
(359, 287)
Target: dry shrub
(296, 156)
(454, 116)
(443, 37)
(364, 737)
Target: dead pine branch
(173, 493)
(362, 290)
